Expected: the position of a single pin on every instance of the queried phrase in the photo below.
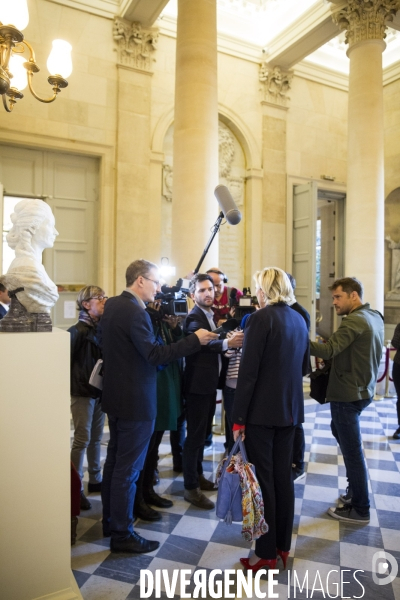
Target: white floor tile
(102, 588)
(387, 503)
(327, 529)
(324, 449)
(87, 557)
(378, 454)
(322, 469)
(355, 556)
(221, 556)
(196, 528)
(323, 494)
(391, 539)
(386, 476)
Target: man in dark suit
(131, 354)
(4, 301)
(199, 389)
(299, 445)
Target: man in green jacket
(355, 350)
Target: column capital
(135, 45)
(276, 84)
(365, 19)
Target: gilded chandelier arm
(8, 108)
(47, 100)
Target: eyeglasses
(153, 280)
(99, 298)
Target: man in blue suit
(131, 355)
(4, 301)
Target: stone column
(136, 234)
(364, 23)
(275, 102)
(194, 207)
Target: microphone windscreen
(227, 204)
(230, 325)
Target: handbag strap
(238, 445)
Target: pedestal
(35, 467)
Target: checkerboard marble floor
(323, 549)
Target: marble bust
(33, 230)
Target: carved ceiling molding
(135, 45)
(365, 19)
(276, 84)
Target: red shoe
(284, 556)
(270, 563)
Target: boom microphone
(227, 204)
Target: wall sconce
(15, 72)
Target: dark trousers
(177, 439)
(345, 427)
(229, 397)
(396, 381)
(299, 446)
(126, 454)
(270, 449)
(200, 410)
(145, 481)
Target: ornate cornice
(365, 19)
(276, 84)
(135, 45)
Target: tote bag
(229, 498)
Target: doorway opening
(329, 257)
(318, 251)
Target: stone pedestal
(35, 467)
(194, 207)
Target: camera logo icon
(384, 568)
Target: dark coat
(169, 384)
(275, 357)
(131, 354)
(303, 312)
(3, 311)
(85, 352)
(202, 369)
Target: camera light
(167, 270)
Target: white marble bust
(33, 230)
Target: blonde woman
(269, 403)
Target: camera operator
(225, 298)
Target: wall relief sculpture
(32, 292)
(135, 46)
(226, 150)
(394, 292)
(167, 181)
(276, 84)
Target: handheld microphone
(227, 204)
(229, 325)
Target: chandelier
(15, 71)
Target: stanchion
(389, 351)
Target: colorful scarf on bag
(254, 525)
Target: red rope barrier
(387, 363)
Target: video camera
(247, 304)
(173, 299)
